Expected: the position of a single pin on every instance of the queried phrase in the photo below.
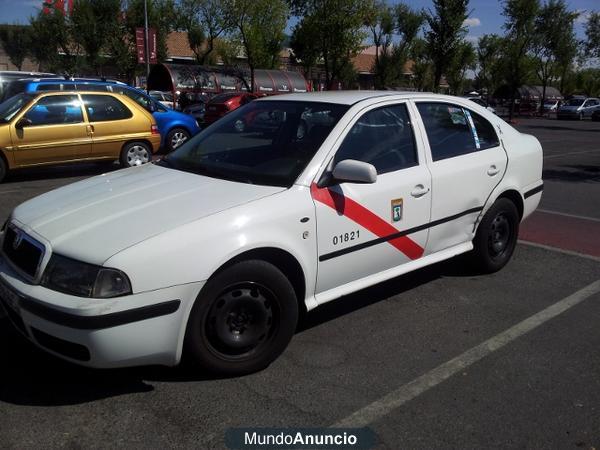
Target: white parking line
(560, 250)
(574, 216)
(404, 394)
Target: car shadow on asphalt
(31, 377)
(578, 173)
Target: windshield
(12, 106)
(575, 102)
(267, 143)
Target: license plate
(9, 298)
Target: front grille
(23, 251)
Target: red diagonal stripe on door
(366, 219)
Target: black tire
(176, 137)
(3, 169)
(496, 237)
(243, 319)
(142, 149)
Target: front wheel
(3, 169)
(496, 237)
(243, 319)
(135, 154)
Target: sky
(485, 15)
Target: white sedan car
(213, 251)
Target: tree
(204, 21)
(555, 44)
(422, 67)
(92, 25)
(463, 59)
(520, 34)
(330, 31)
(489, 61)
(53, 47)
(16, 41)
(259, 26)
(592, 31)
(446, 32)
(380, 22)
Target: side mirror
(352, 171)
(23, 122)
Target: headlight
(84, 280)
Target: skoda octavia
(248, 226)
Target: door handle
(493, 170)
(90, 129)
(419, 191)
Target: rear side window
(49, 87)
(103, 108)
(91, 87)
(450, 132)
(486, 134)
(55, 110)
(382, 137)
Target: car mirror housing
(23, 122)
(352, 171)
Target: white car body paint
(170, 231)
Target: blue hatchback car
(174, 127)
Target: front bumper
(140, 329)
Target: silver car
(578, 108)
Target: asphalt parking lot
(438, 358)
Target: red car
(221, 104)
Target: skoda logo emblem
(18, 240)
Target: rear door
(364, 229)
(57, 132)
(111, 123)
(467, 162)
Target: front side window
(104, 108)
(55, 110)
(10, 107)
(264, 142)
(382, 137)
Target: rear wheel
(135, 154)
(496, 237)
(176, 138)
(243, 319)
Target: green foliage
(445, 34)
(592, 31)
(16, 41)
(92, 24)
(555, 43)
(204, 21)
(422, 67)
(330, 32)
(53, 47)
(393, 31)
(463, 59)
(490, 75)
(259, 26)
(520, 38)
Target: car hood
(96, 218)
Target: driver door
(56, 132)
(364, 229)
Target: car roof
(348, 97)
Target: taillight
(154, 129)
